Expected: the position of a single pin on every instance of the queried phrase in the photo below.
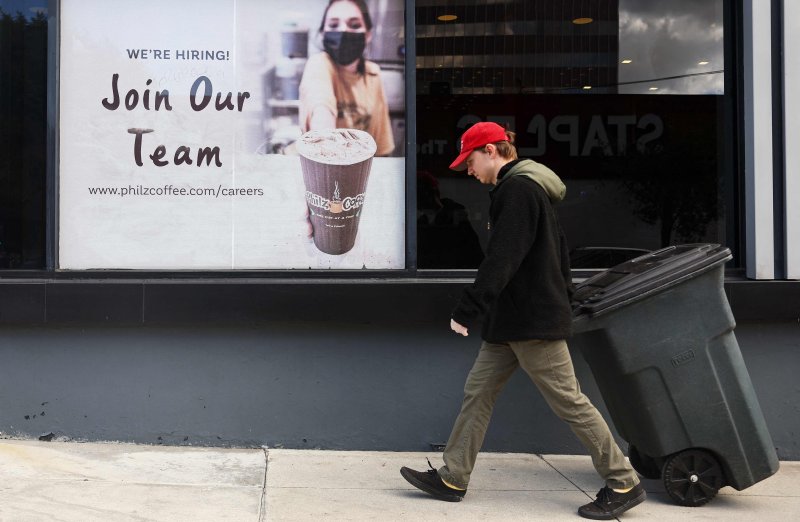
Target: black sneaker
(430, 482)
(610, 504)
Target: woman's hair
(506, 148)
(362, 6)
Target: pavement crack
(568, 479)
(262, 507)
(565, 477)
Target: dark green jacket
(522, 290)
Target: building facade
(159, 282)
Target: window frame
(735, 230)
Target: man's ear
(491, 150)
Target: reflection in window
(576, 81)
(671, 47)
(581, 47)
(445, 237)
(23, 133)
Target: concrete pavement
(68, 481)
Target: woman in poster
(340, 88)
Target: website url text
(170, 190)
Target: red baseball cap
(480, 134)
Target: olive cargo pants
(549, 365)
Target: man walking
(522, 293)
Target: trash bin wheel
(692, 477)
(645, 465)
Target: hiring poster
(222, 134)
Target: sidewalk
(56, 481)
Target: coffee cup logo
(336, 202)
(336, 165)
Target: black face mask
(344, 47)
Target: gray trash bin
(657, 333)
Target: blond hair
(506, 148)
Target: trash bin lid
(646, 274)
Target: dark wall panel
(333, 385)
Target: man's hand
(459, 329)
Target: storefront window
(625, 100)
(23, 133)
(251, 135)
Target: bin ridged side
(672, 375)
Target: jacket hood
(546, 178)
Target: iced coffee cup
(336, 165)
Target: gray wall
(322, 384)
